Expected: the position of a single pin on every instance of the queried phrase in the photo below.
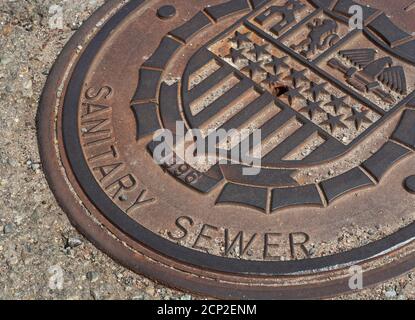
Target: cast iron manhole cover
(334, 104)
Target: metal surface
(336, 110)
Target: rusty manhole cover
(335, 106)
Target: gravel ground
(37, 243)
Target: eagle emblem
(368, 72)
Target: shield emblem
(318, 91)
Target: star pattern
(254, 69)
(337, 103)
(317, 89)
(272, 79)
(236, 55)
(312, 108)
(294, 94)
(278, 63)
(334, 122)
(240, 38)
(359, 118)
(260, 52)
(297, 76)
(304, 90)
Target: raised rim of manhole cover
(305, 110)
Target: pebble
(92, 276)
(28, 88)
(5, 60)
(35, 166)
(12, 257)
(8, 228)
(95, 295)
(13, 163)
(390, 294)
(73, 242)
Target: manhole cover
(327, 99)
